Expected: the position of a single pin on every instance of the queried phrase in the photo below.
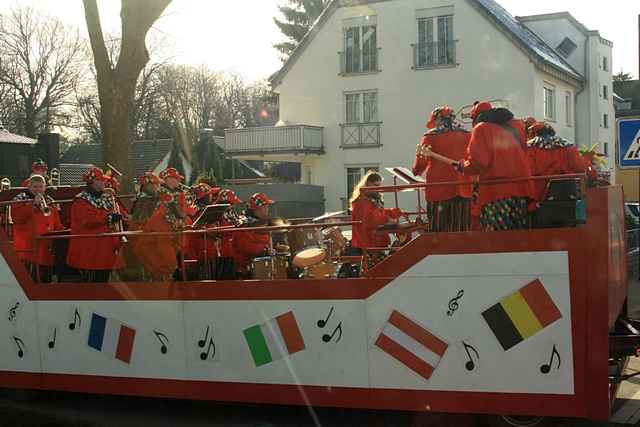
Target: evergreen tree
(622, 76)
(299, 16)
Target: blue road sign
(629, 143)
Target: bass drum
(303, 238)
(270, 268)
(322, 270)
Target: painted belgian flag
(521, 314)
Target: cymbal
(329, 215)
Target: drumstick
(426, 151)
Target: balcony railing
(274, 140)
(434, 54)
(355, 135)
(359, 61)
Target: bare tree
(40, 64)
(117, 79)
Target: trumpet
(41, 202)
(5, 184)
(118, 227)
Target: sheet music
(405, 175)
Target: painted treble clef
(453, 303)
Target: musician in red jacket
(495, 152)
(39, 167)
(226, 262)
(202, 247)
(251, 244)
(550, 155)
(368, 209)
(94, 213)
(447, 206)
(35, 215)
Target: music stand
(211, 215)
(405, 175)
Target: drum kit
(313, 251)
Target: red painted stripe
(404, 356)
(290, 332)
(125, 344)
(285, 394)
(418, 333)
(540, 302)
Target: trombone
(5, 184)
(54, 177)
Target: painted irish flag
(522, 314)
(275, 339)
(411, 344)
(111, 337)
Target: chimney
(49, 148)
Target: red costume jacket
(495, 153)
(449, 143)
(248, 245)
(552, 156)
(30, 222)
(370, 212)
(158, 254)
(89, 213)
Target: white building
(357, 92)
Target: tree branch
(100, 54)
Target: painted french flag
(411, 344)
(111, 337)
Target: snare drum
(269, 268)
(335, 241)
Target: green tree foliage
(299, 16)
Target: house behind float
(356, 93)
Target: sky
(238, 35)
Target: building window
(549, 103)
(568, 102)
(355, 174)
(361, 128)
(567, 47)
(605, 92)
(605, 63)
(361, 107)
(605, 121)
(360, 50)
(605, 149)
(436, 45)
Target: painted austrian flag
(111, 337)
(411, 344)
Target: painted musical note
(13, 312)
(77, 321)
(470, 365)
(453, 303)
(20, 344)
(52, 341)
(203, 341)
(212, 347)
(337, 330)
(546, 368)
(323, 322)
(164, 340)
